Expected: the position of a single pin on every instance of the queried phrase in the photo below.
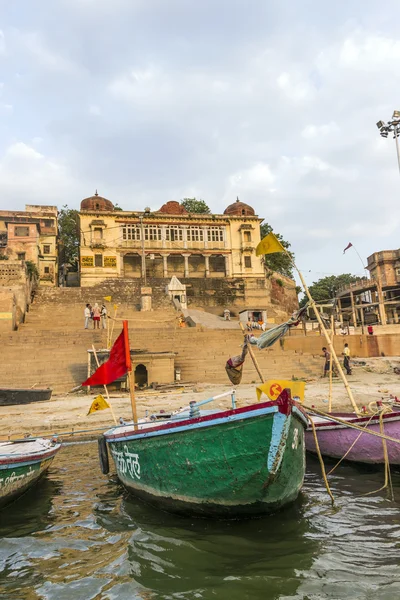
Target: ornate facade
(167, 242)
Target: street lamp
(145, 214)
(392, 126)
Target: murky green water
(78, 536)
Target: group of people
(346, 360)
(95, 314)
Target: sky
(273, 101)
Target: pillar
(186, 257)
(362, 319)
(339, 303)
(205, 236)
(165, 265)
(207, 263)
(381, 304)
(227, 266)
(184, 235)
(163, 235)
(353, 310)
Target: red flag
(349, 245)
(114, 368)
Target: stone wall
(363, 346)
(15, 293)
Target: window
(195, 234)
(131, 232)
(174, 233)
(21, 255)
(21, 231)
(98, 260)
(98, 233)
(247, 262)
(47, 270)
(215, 234)
(48, 223)
(152, 233)
(247, 236)
(46, 249)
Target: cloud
(148, 101)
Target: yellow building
(167, 242)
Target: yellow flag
(273, 387)
(269, 245)
(107, 298)
(115, 306)
(99, 403)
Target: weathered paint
(248, 461)
(19, 473)
(334, 440)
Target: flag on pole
(107, 298)
(269, 245)
(273, 388)
(349, 245)
(114, 368)
(99, 403)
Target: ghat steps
(50, 348)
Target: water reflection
(79, 536)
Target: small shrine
(177, 291)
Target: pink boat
(335, 439)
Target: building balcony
(168, 245)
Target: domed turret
(239, 209)
(96, 203)
(173, 208)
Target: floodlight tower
(392, 126)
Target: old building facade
(213, 255)
(374, 300)
(167, 242)
(31, 235)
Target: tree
(193, 205)
(68, 234)
(324, 289)
(117, 207)
(278, 262)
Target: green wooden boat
(22, 464)
(238, 462)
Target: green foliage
(3, 257)
(325, 288)
(117, 207)
(279, 282)
(193, 205)
(278, 262)
(68, 232)
(32, 270)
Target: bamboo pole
(131, 379)
(328, 340)
(330, 373)
(255, 361)
(112, 326)
(105, 387)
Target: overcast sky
(154, 100)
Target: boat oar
(329, 417)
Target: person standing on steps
(87, 314)
(346, 360)
(96, 316)
(103, 315)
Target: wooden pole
(131, 378)
(105, 387)
(112, 326)
(255, 361)
(328, 340)
(330, 374)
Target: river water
(79, 536)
